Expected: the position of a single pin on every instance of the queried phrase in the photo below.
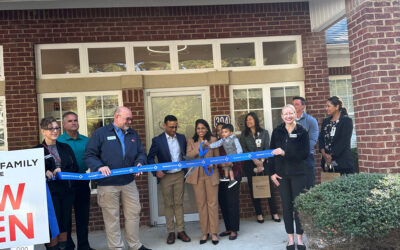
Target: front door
(188, 105)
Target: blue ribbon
(52, 215)
(204, 163)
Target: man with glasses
(170, 146)
(81, 204)
(112, 147)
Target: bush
(360, 211)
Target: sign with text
(23, 201)
(221, 118)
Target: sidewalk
(267, 236)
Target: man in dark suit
(171, 147)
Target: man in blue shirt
(81, 204)
(311, 125)
(112, 147)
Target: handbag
(261, 187)
(329, 176)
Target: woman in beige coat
(205, 187)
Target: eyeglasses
(53, 129)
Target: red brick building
(225, 59)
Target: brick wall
(21, 30)
(374, 43)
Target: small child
(232, 146)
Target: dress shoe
(171, 238)
(144, 248)
(183, 236)
(226, 233)
(276, 220)
(233, 237)
(291, 247)
(204, 241)
(301, 247)
(260, 221)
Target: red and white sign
(23, 204)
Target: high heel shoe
(215, 242)
(204, 241)
(276, 220)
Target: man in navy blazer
(171, 147)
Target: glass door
(188, 105)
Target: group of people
(117, 145)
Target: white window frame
(266, 99)
(5, 147)
(80, 98)
(172, 44)
(2, 78)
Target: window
(155, 57)
(94, 109)
(279, 53)
(237, 55)
(152, 58)
(195, 56)
(60, 61)
(106, 60)
(341, 86)
(266, 101)
(3, 123)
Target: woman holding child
(205, 187)
(254, 138)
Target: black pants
(81, 208)
(228, 199)
(63, 208)
(257, 202)
(310, 173)
(290, 187)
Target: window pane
(276, 117)
(290, 93)
(110, 103)
(276, 53)
(195, 56)
(151, 58)
(239, 120)
(238, 55)
(277, 98)
(93, 124)
(51, 107)
(240, 99)
(69, 104)
(260, 115)
(51, 63)
(255, 99)
(106, 60)
(93, 107)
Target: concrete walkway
(267, 236)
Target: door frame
(152, 181)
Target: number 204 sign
(23, 202)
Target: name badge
(293, 135)
(333, 131)
(111, 137)
(258, 143)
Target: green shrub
(359, 208)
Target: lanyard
(52, 154)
